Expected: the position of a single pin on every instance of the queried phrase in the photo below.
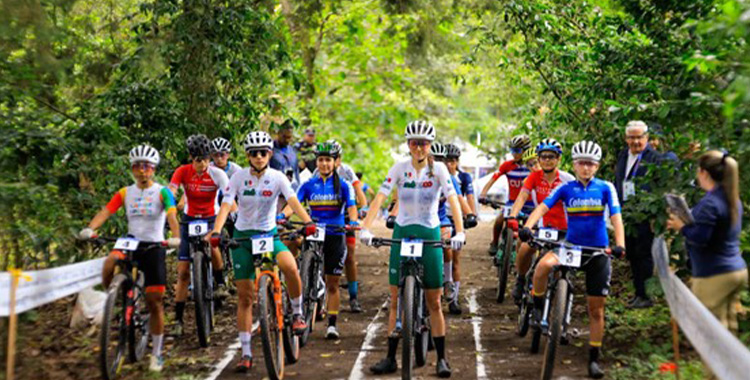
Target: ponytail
(430, 165)
(337, 186)
(724, 170)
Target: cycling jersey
(345, 172)
(327, 206)
(418, 192)
(466, 183)
(146, 210)
(516, 175)
(585, 206)
(200, 189)
(445, 212)
(257, 198)
(230, 169)
(539, 189)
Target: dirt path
(503, 354)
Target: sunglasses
(145, 166)
(587, 164)
(418, 143)
(256, 153)
(221, 154)
(199, 159)
(547, 157)
(516, 150)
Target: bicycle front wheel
(271, 334)
(201, 286)
(555, 329)
(114, 329)
(309, 290)
(138, 328)
(291, 340)
(408, 333)
(423, 337)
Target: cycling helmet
(221, 144)
(529, 154)
(522, 142)
(199, 146)
(329, 148)
(420, 129)
(452, 151)
(587, 150)
(258, 140)
(549, 145)
(437, 150)
(144, 153)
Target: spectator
(284, 157)
(630, 165)
(306, 151)
(656, 134)
(713, 240)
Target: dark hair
(724, 170)
(359, 175)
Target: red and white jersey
(538, 188)
(200, 189)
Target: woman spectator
(713, 240)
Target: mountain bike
(202, 279)
(505, 257)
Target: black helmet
(452, 151)
(198, 146)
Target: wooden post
(15, 276)
(676, 348)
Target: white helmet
(221, 144)
(144, 153)
(587, 150)
(438, 150)
(258, 140)
(520, 142)
(420, 129)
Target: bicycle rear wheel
(291, 340)
(138, 329)
(556, 327)
(271, 334)
(408, 334)
(113, 333)
(309, 288)
(524, 316)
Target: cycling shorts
(432, 257)
(183, 253)
(334, 254)
(153, 263)
(242, 256)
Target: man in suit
(632, 163)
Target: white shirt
(418, 192)
(257, 198)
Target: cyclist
(537, 186)
(201, 183)
(221, 148)
(420, 181)
(257, 189)
(585, 201)
(451, 263)
(329, 197)
(347, 174)
(531, 161)
(465, 180)
(147, 205)
(516, 173)
(369, 191)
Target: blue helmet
(549, 145)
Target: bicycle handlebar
(381, 242)
(584, 249)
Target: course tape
(727, 357)
(48, 285)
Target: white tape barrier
(727, 357)
(49, 285)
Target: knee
(332, 287)
(245, 300)
(183, 276)
(596, 313)
(433, 305)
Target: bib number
(198, 228)
(320, 233)
(262, 244)
(548, 234)
(411, 248)
(126, 244)
(506, 211)
(570, 256)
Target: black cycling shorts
(183, 252)
(334, 254)
(598, 273)
(152, 262)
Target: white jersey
(345, 172)
(146, 210)
(257, 198)
(418, 192)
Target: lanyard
(635, 166)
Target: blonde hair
(724, 170)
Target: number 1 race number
(411, 248)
